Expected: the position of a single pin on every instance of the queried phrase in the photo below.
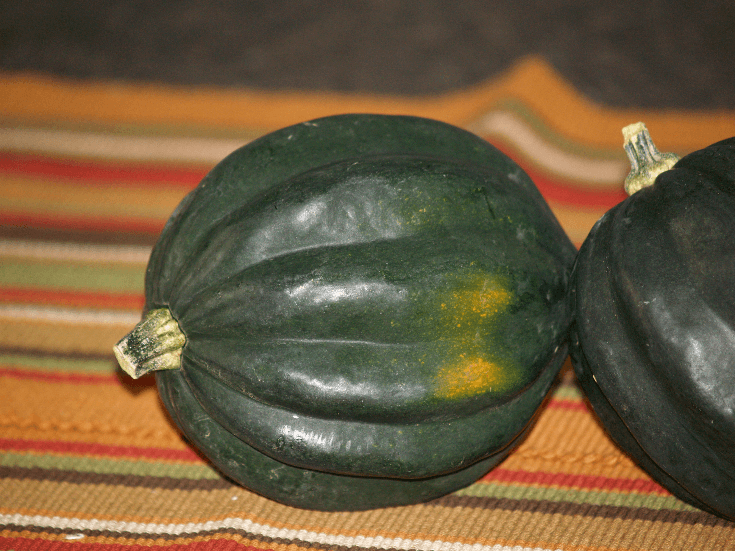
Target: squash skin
(316, 489)
(653, 338)
(322, 275)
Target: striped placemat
(89, 173)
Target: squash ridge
(331, 444)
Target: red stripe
(565, 403)
(76, 378)
(86, 448)
(553, 188)
(82, 223)
(114, 377)
(563, 191)
(154, 227)
(100, 171)
(85, 299)
(565, 480)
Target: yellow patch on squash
(467, 312)
(468, 377)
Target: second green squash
(653, 339)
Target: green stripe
(55, 364)
(539, 127)
(72, 276)
(567, 392)
(108, 466)
(588, 497)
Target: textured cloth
(89, 459)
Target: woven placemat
(89, 173)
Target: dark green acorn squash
(357, 311)
(653, 339)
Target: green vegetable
(372, 309)
(653, 341)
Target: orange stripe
(131, 415)
(531, 81)
(576, 220)
(22, 194)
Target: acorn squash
(653, 338)
(357, 311)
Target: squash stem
(646, 161)
(154, 344)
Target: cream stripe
(601, 172)
(78, 252)
(70, 316)
(504, 124)
(255, 528)
(57, 198)
(140, 148)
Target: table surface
(108, 117)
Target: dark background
(632, 53)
